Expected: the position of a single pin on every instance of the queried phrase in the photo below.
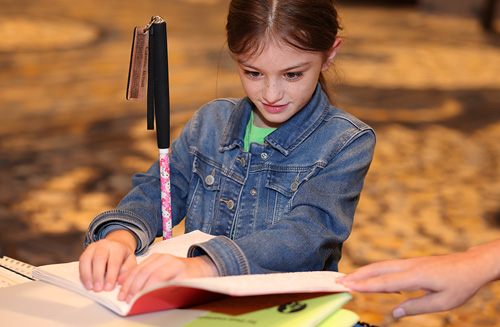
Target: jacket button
(209, 180)
(243, 162)
(263, 155)
(253, 192)
(230, 204)
(294, 186)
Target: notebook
(13, 272)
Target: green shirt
(255, 134)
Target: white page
(277, 283)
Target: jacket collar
(286, 137)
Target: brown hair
(309, 25)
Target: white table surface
(41, 304)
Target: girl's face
(281, 79)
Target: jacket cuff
(116, 219)
(225, 254)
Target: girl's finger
(139, 275)
(85, 268)
(99, 263)
(113, 269)
(127, 266)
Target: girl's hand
(103, 261)
(448, 280)
(162, 267)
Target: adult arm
(448, 280)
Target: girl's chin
(273, 122)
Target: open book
(192, 291)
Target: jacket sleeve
(311, 236)
(140, 210)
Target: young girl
(276, 176)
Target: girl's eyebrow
(294, 67)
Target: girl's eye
(292, 76)
(252, 74)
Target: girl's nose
(273, 92)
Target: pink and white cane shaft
(166, 209)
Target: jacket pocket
(204, 191)
(281, 187)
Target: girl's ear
(331, 54)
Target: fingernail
(89, 285)
(399, 313)
(121, 296)
(345, 282)
(97, 287)
(108, 286)
(128, 299)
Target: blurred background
(425, 74)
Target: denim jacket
(286, 205)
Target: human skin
(448, 280)
(103, 261)
(280, 80)
(112, 260)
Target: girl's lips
(274, 109)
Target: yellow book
(313, 311)
(340, 318)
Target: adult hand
(448, 280)
(103, 261)
(162, 267)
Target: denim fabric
(286, 205)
